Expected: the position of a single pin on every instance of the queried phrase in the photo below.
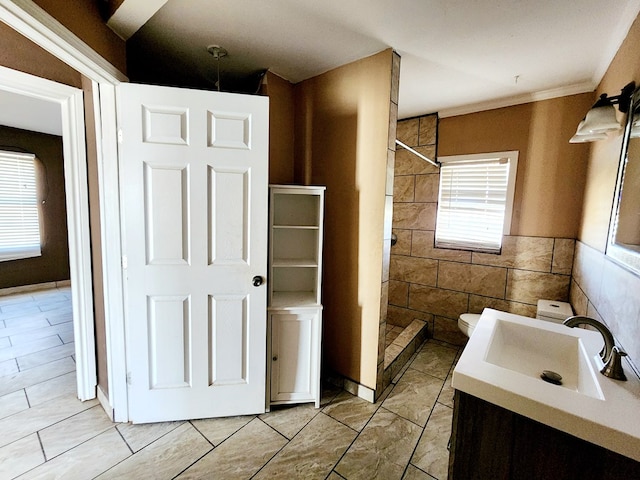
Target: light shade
(635, 127)
(586, 137)
(600, 119)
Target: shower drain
(551, 377)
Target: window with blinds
(475, 201)
(19, 220)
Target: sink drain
(551, 377)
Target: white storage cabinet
(295, 313)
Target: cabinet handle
(275, 358)
(257, 281)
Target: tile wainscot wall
(437, 285)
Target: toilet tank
(553, 311)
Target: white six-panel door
(193, 168)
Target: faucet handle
(613, 368)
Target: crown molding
(574, 89)
(37, 25)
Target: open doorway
(67, 106)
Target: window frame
(23, 251)
(512, 158)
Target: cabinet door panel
(294, 356)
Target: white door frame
(34, 23)
(70, 102)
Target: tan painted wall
(53, 264)
(604, 155)
(281, 128)
(82, 17)
(551, 171)
(23, 55)
(342, 124)
(601, 288)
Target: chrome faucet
(610, 354)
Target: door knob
(257, 281)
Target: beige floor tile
(334, 476)
(434, 359)
(85, 461)
(36, 418)
(21, 326)
(242, 444)
(73, 431)
(329, 393)
(217, 430)
(382, 450)
(351, 410)
(66, 337)
(8, 367)
(290, 419)
(164, 458)
(414, 473)
(13, 403)
(446, 395)
(55, 305)
(312, 453)
(47, 331)
(19, 310)
(139, 436)
(240, 456)
(414, 396)
(45, 391)
(46, 356)
(20, 456)
(431, 454)
(30, 347)
(55, 318)
(36, 375)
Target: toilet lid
(470, 319)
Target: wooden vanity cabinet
(490, 442)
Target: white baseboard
(104, 401)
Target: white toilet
(549, 310)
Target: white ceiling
(30, 113)
(457, 55)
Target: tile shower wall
(603, 290)
(437, 285)
(388, 217)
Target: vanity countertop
(610, 418)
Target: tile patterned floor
(45, 432)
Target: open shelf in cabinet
(296, 209)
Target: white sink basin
(530, 350)
(505, 356)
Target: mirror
(624, 227)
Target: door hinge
(128, 378)
(125, 262)
(119, 135)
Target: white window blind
(19, 221)
(474, 204)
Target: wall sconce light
(602, 119)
